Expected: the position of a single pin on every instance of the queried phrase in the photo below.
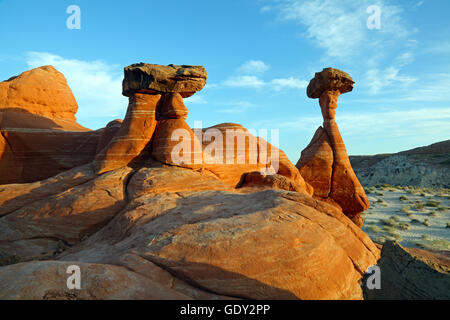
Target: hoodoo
(325, 163)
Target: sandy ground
(414, 217)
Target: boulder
(270, 244)
(329, 79)
(410, 274)
(42, 91)
(47, 280)
(154, 78)
(39, 135)
(66, 217)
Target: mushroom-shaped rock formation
(155, 126)
(154, 78)
(177, 230)
(324, 163)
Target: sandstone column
(133, 136)
(325, 163)
(155, 103)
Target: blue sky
(260, 55)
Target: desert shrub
(434, 204)
(415, 221)
(405, 209)
(419, 206)
(380, 240)
(448, 225)
(422, 194)
(389, 222)
(432, 214)
(403, 198)
(385, 185)
(377, 186)
(440, 209)
(426, 222)
(404, 226)
(395, 218)
(373, 228)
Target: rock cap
(329, 79)
(156, 79)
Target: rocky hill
(422, 167)
(148, 208)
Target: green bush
(434, 204)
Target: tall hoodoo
(324, 163)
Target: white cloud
(97, 86)
(253, 67)
(340, 27)
(381, 124)
(196, 99)
(291, 83)
(236, 107)
(244, 81)
(379, 79)
(404, 59)
(276, 84)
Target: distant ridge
(426, 166)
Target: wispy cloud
(236, 107)
(291, 83)
(340, 27)
(196, 99)
(381, 124)
(379, 79)
(253, 67)
(244, 82)
(97, 86)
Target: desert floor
(415, 217)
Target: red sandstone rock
(175, 143)
(327, 149)
(184, 233)
(108, 133)
(42, 91)
(134, 135)
(316, 163)
(172, 107)
(44, 280)
(272, 244)
(273, 181)
(39, 134)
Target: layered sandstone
(133, 136)
(219, 216)
(39, 135)
(337, 181)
